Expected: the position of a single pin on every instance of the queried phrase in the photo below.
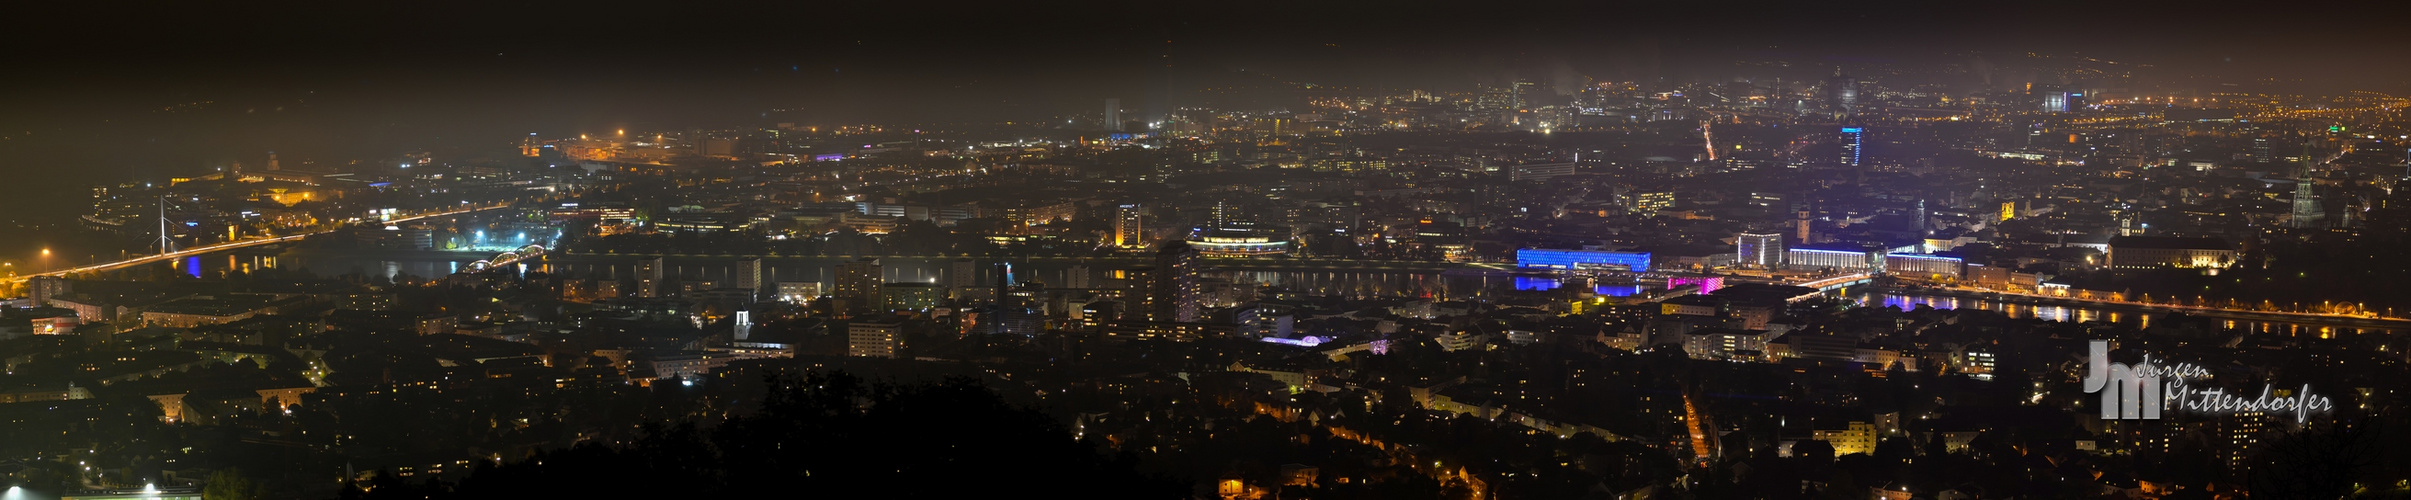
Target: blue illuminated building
(1853, 141)
(1582, 259)
(1535, 283)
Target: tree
(2316, 463)
(231, 484)
(835, 432)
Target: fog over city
(1235, 250)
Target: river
(1906, 301)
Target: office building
(1649, 202)
(1113, 115)
(874, 339)
(1758, 250)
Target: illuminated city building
(1173, 292)
(858, 284)
(874, 339)
(2146, 252)
(798, 292)
(911, 296)
(1650, 202)
(649, 278)
(1836, 259)
(1856, 438)
(1854, 143)
(1758, 250)
(1582, 259)
(1923, 266)
(1129, 226)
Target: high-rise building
(1008, 305)
(858, 283)
(2238, 436)
(649, 277)
(748, 276)
(1173, 289)
(1076, 276)
(1113, 114)
(40, 289)
(1853, 145)
(874, 339)
(962, 273)
(1129, 226)
(2307, 213)
(2260, 151)
(1759, 250)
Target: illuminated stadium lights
(1582, 259)
(1242, 239)
(1239, 246)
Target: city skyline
(1236, 251)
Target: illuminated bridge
(504, 260)
(1838, 282)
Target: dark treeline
(823, 433)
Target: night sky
(93, 91)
